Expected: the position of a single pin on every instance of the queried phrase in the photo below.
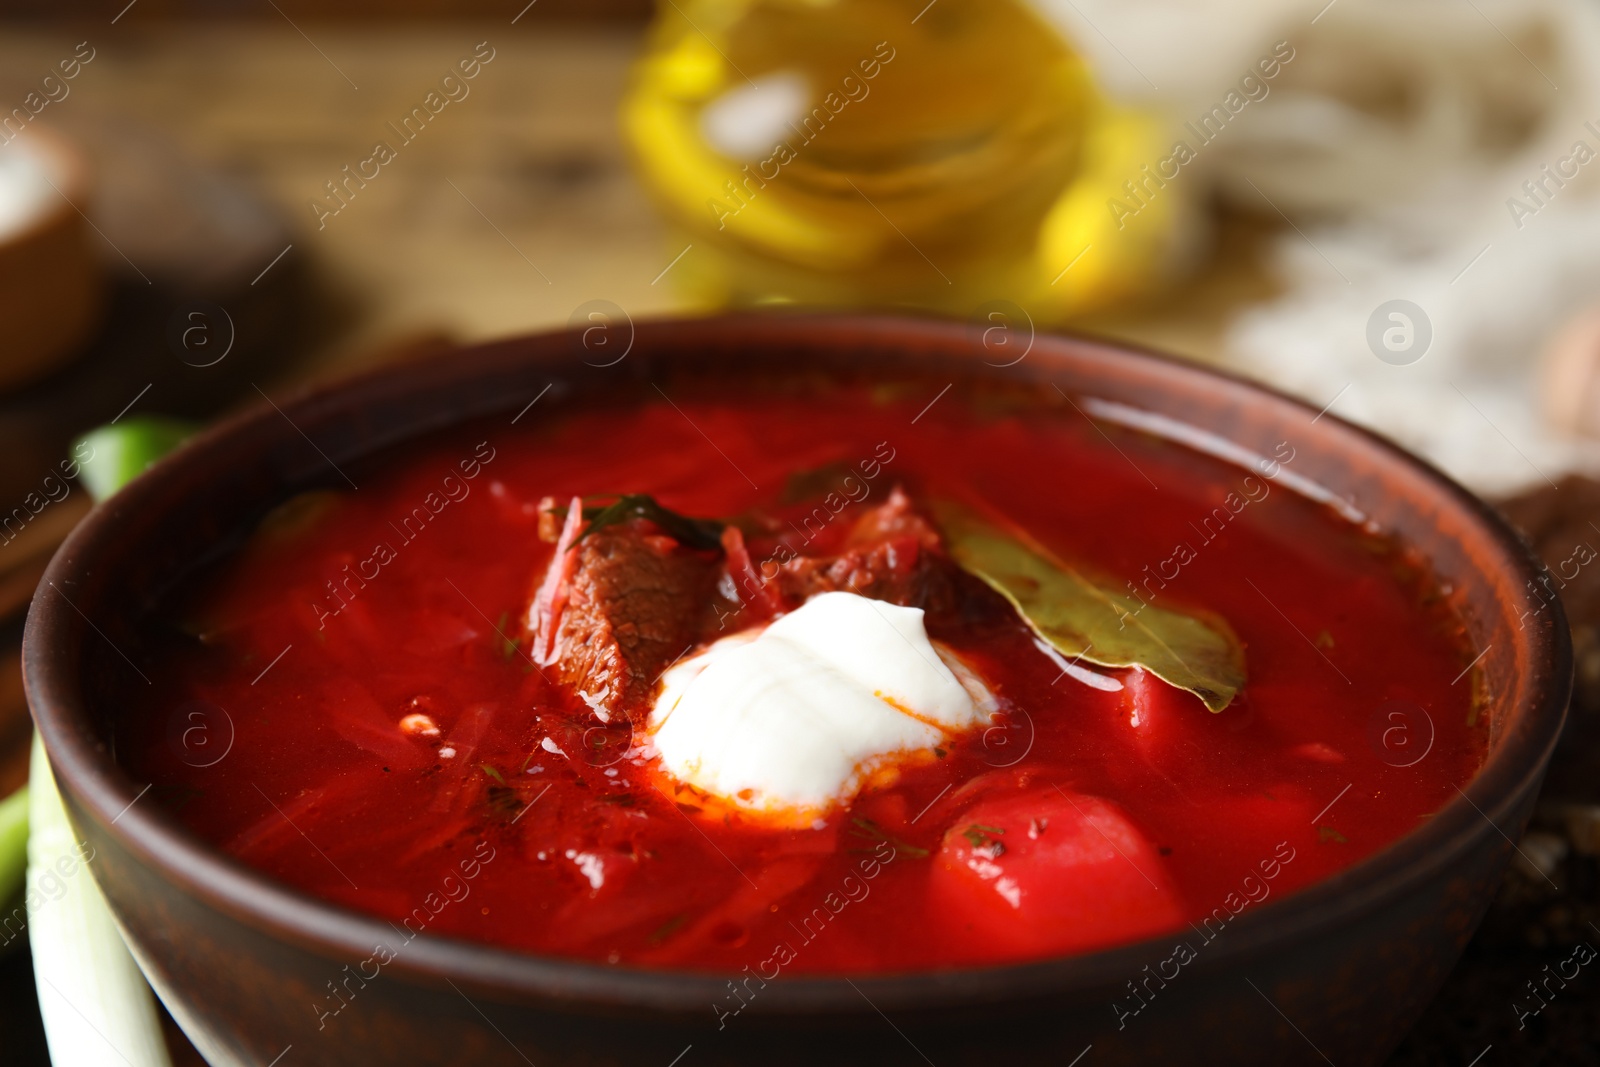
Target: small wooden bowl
(51, 285)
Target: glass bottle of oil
(889, 153)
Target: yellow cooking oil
(891, 153)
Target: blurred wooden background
(512, 207)
(321, 10)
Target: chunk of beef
(892, 553)
(896, 518)
(633, 602)
(622, 603)
(898, 570)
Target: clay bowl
(1336, 973)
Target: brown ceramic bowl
(1336, 973)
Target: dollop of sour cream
(788, 721)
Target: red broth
(276, 733)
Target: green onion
(120, 453)
(83, 970)
(13, 844)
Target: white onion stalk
(97, 1009)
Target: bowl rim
(103, 792)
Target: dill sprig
(985, 839)
(695, 533)
(871, 831)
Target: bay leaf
(1089, 619)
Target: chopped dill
(508, 648)
(979, 835)
(871, 831)
(668, 928)
(504, 799)
(985, 839)
(695, 533)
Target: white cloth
(1393, 142)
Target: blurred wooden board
(191, 318)
(512, 207)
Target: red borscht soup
(819, 679)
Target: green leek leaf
(13, 844)
(120, 453)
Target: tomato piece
(1048, 871)
(1162, 718)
